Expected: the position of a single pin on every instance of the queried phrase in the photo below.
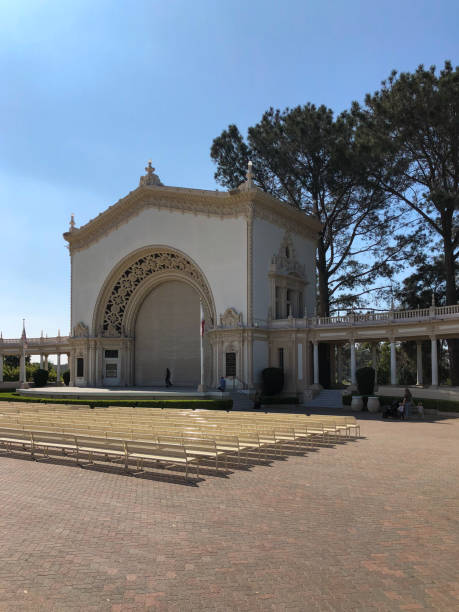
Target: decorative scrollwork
(132, 277)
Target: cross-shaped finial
(149, 169)
(72, 222)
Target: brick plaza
(364, 525)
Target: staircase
(241, 401)
(327, 398)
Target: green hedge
(208, 404)
(269, 400)
(430, 404)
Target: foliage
(306, 157)
(273, 380)
(66, 377)
(269, 400)
(429, 403)
(365, 380)
(410, 130)
(208, 404)
(40, 377)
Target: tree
(306, 157)
(410, 129)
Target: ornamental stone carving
(231, 319)
(150, 178)
(285, 261)
(164, 260)
(80, 330)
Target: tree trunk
(451, 298)
(323, 310)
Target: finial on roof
(433, 298)
(249, 184)
(392, 303)
(150, 177)
(23, 335)
(72, 222)
(58, 333)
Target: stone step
(327, 398)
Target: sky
(91, 90)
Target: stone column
(1, 367)
(393, 363)
(433, 340)
(202, 386)
(58, 370)
(22, 369)
(353, 364)
(91, 364)
(41, 361)
(316, 362)
(45, 366)
(339, 360)
(374, 359)
(419, 380)
(72, 368)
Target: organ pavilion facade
(205, 283)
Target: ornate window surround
(287, 274)
(134, 277)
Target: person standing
(222, 386)
(168, 378)
(407, 398)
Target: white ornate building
(144, 270)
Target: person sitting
(401, 410)
(222, 386)
(257, 401)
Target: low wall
(439, 393)
(10, 385)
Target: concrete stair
(241, 401)
(327, 398)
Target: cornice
(229, 204)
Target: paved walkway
(366, 525)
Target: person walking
(168, 378)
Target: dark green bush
(365, 381)
(347, 400)
(40, 377)
(270, 400)
(273, 380)
(66, 377)
(207, 404)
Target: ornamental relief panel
(132, 277)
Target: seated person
(222, 386)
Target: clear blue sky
(91, 90)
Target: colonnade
(393, 362)
(22, 363)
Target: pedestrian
(400, 410)
(222, 386)
(407, 399)
(420, 410)
(168, 378)
(257, 401)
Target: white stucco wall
(217, 246)
(267, 239)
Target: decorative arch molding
(134, 277)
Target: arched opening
(167, 335)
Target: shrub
(273, 380)
(347, 400)
(66, 377)
(193, 404)
(40, 377)
(365, 381)
(271, 401)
